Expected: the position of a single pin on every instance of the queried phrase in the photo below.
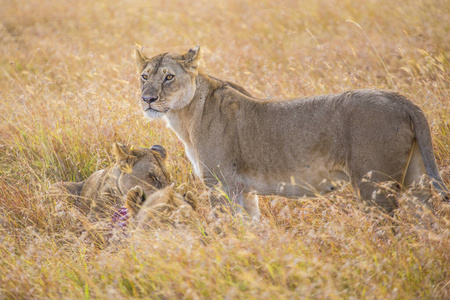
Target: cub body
(105, 190)
(165, 206)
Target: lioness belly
(308, 182)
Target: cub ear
(120, 152)
(191, 200)
(134, 200)
(160, 149)
(191, 58)
(141, 60)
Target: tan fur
(104, 190)
(165, 206)
(294, 148)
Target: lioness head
(141, 167)
(167, 81)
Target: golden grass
(68, 89)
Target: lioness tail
(423, 138)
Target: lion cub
(165, 206)
(105, 190)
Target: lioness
(163, 206)
(297, 147)
(105, 190)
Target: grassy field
(68, 89)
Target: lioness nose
(149, 99)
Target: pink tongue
(120, 218)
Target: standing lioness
(291, 148)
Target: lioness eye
(169, 77)
(144, 76)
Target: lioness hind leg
(377, 188)
(378, 175)
(71, 191)
(416, 177)
(379, 157)
(66, 188)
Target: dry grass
(68, 89)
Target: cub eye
(169, 77)
(144, 76)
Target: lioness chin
(294, 148)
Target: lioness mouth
(159, 111)
(149, 108)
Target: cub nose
(149, 99)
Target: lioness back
(297, 147)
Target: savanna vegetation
(69, 89)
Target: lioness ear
(121, 152)
(190, 59)
(141, 60)
(160, 149)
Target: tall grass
(68, 89)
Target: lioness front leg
(251, 206)
(234, 198)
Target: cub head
(167, 81)
(141, 167)
(164, 206)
